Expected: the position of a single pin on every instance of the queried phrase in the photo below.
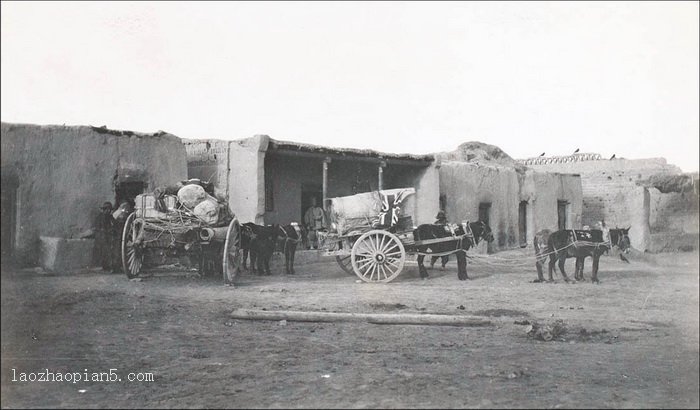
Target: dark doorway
(128, 191)
(9, 218)
(485, 212)
(562, 208)
(309, 191)
(485, 216)
(522, 223)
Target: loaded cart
(192, 223)
(371, 233)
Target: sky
(401, 77)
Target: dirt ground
(630, 342)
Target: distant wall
(466, 185)
(658, 221)
(64, 174)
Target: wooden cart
(375, 254)
(177, 232)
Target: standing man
(441, 219)
(315, 220)
(104, 237)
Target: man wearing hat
(441, 219)
(104, 238)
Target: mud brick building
(481, 182)
(654, 198)
(270, 181)
(54, 178)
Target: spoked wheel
(378, 256)
(132, 253)
(232, 251)
(345, 263)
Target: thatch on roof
(276, 145)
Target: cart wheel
(232, 251)
(378, 256)
(345, 263)
(132, 254)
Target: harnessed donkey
(578, 244)
(289, 236)
(464, 236)
(259, 241)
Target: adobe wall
(658, 221)
(66, 172)
(543, 191)
(673, 220)
(208, 160)
(466, 185)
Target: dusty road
(631, 341)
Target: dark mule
(449, 238)
(259, 241)
(289, 236)
(620, 238)
(577, 244)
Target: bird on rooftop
(613, 157)
(542, 154)
(576, 150)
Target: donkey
(259, 241)
(450, 237)
(619, 238)
(289, 236)
(577, 244)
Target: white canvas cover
(359, 211)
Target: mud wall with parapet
(66, 172)
(611, 192)
(465, 186)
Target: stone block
(60, 255)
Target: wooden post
(380, 172)
(326, 161)
(376, 318)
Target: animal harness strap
(248, 231)
(297, 230)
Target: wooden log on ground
(376, 318)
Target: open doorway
(562, 210)
(309, 191)
(485, 216)
(9, 218)
(522, 223)
(485, 212)
(128, 191)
